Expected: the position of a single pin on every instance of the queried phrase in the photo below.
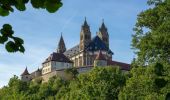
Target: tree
(101, 83)
(15, 90)
(12, 43)
(71, 73)
(150, 83)
(152, 46)
(151, 40)
(98, 84)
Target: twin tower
(85, 37)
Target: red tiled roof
(123, 66)
(25, 72)
(100, 56)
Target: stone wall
(59, 73)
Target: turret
(103, 34)
(100, 60)
(25, 76)
(85, 35)
(61, 45)
(38, 73)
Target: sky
(41, 31)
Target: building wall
(100, 63)
(46, 68)
(59, 73)
(84, 69)
(53, 65)
(87, 58)
(26, 78)
(60, 65)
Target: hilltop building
(88, 53)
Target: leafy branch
(14, 44)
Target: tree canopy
(151, 40)
(149, 78)
(147, 83)
(99, 83)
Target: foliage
(151, 40)
(150, 83)
(7, 34)
(149, 78)
(72, 72)
(14, 44)
(99, 83)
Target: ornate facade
(86, 51)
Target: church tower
(103, 34)
(85, 35)
(61, 45)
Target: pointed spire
(25, 72)
(85, 22)
(38, 69)
(100, 56)
(61, 45)
(103, 25)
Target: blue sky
(41, 31)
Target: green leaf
(53, 5)
(3, 39)
(38, 3)
(3, 12)
(7, 30)
(22, 49)
(11, 47)
(20, 5)
(160, 82)
(18, 40)
(7, 27)
(25, 1)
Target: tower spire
(85, 22)
(25, 72)
(61, 45)
(85, 35)
(103, 33)
(103, 25)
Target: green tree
(12, 43)
(151, 43)
(98, 84)
(71, 73)
(150, 83)
(15, 90)
(151, 40)
(101, 83)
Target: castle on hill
(88, 53)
